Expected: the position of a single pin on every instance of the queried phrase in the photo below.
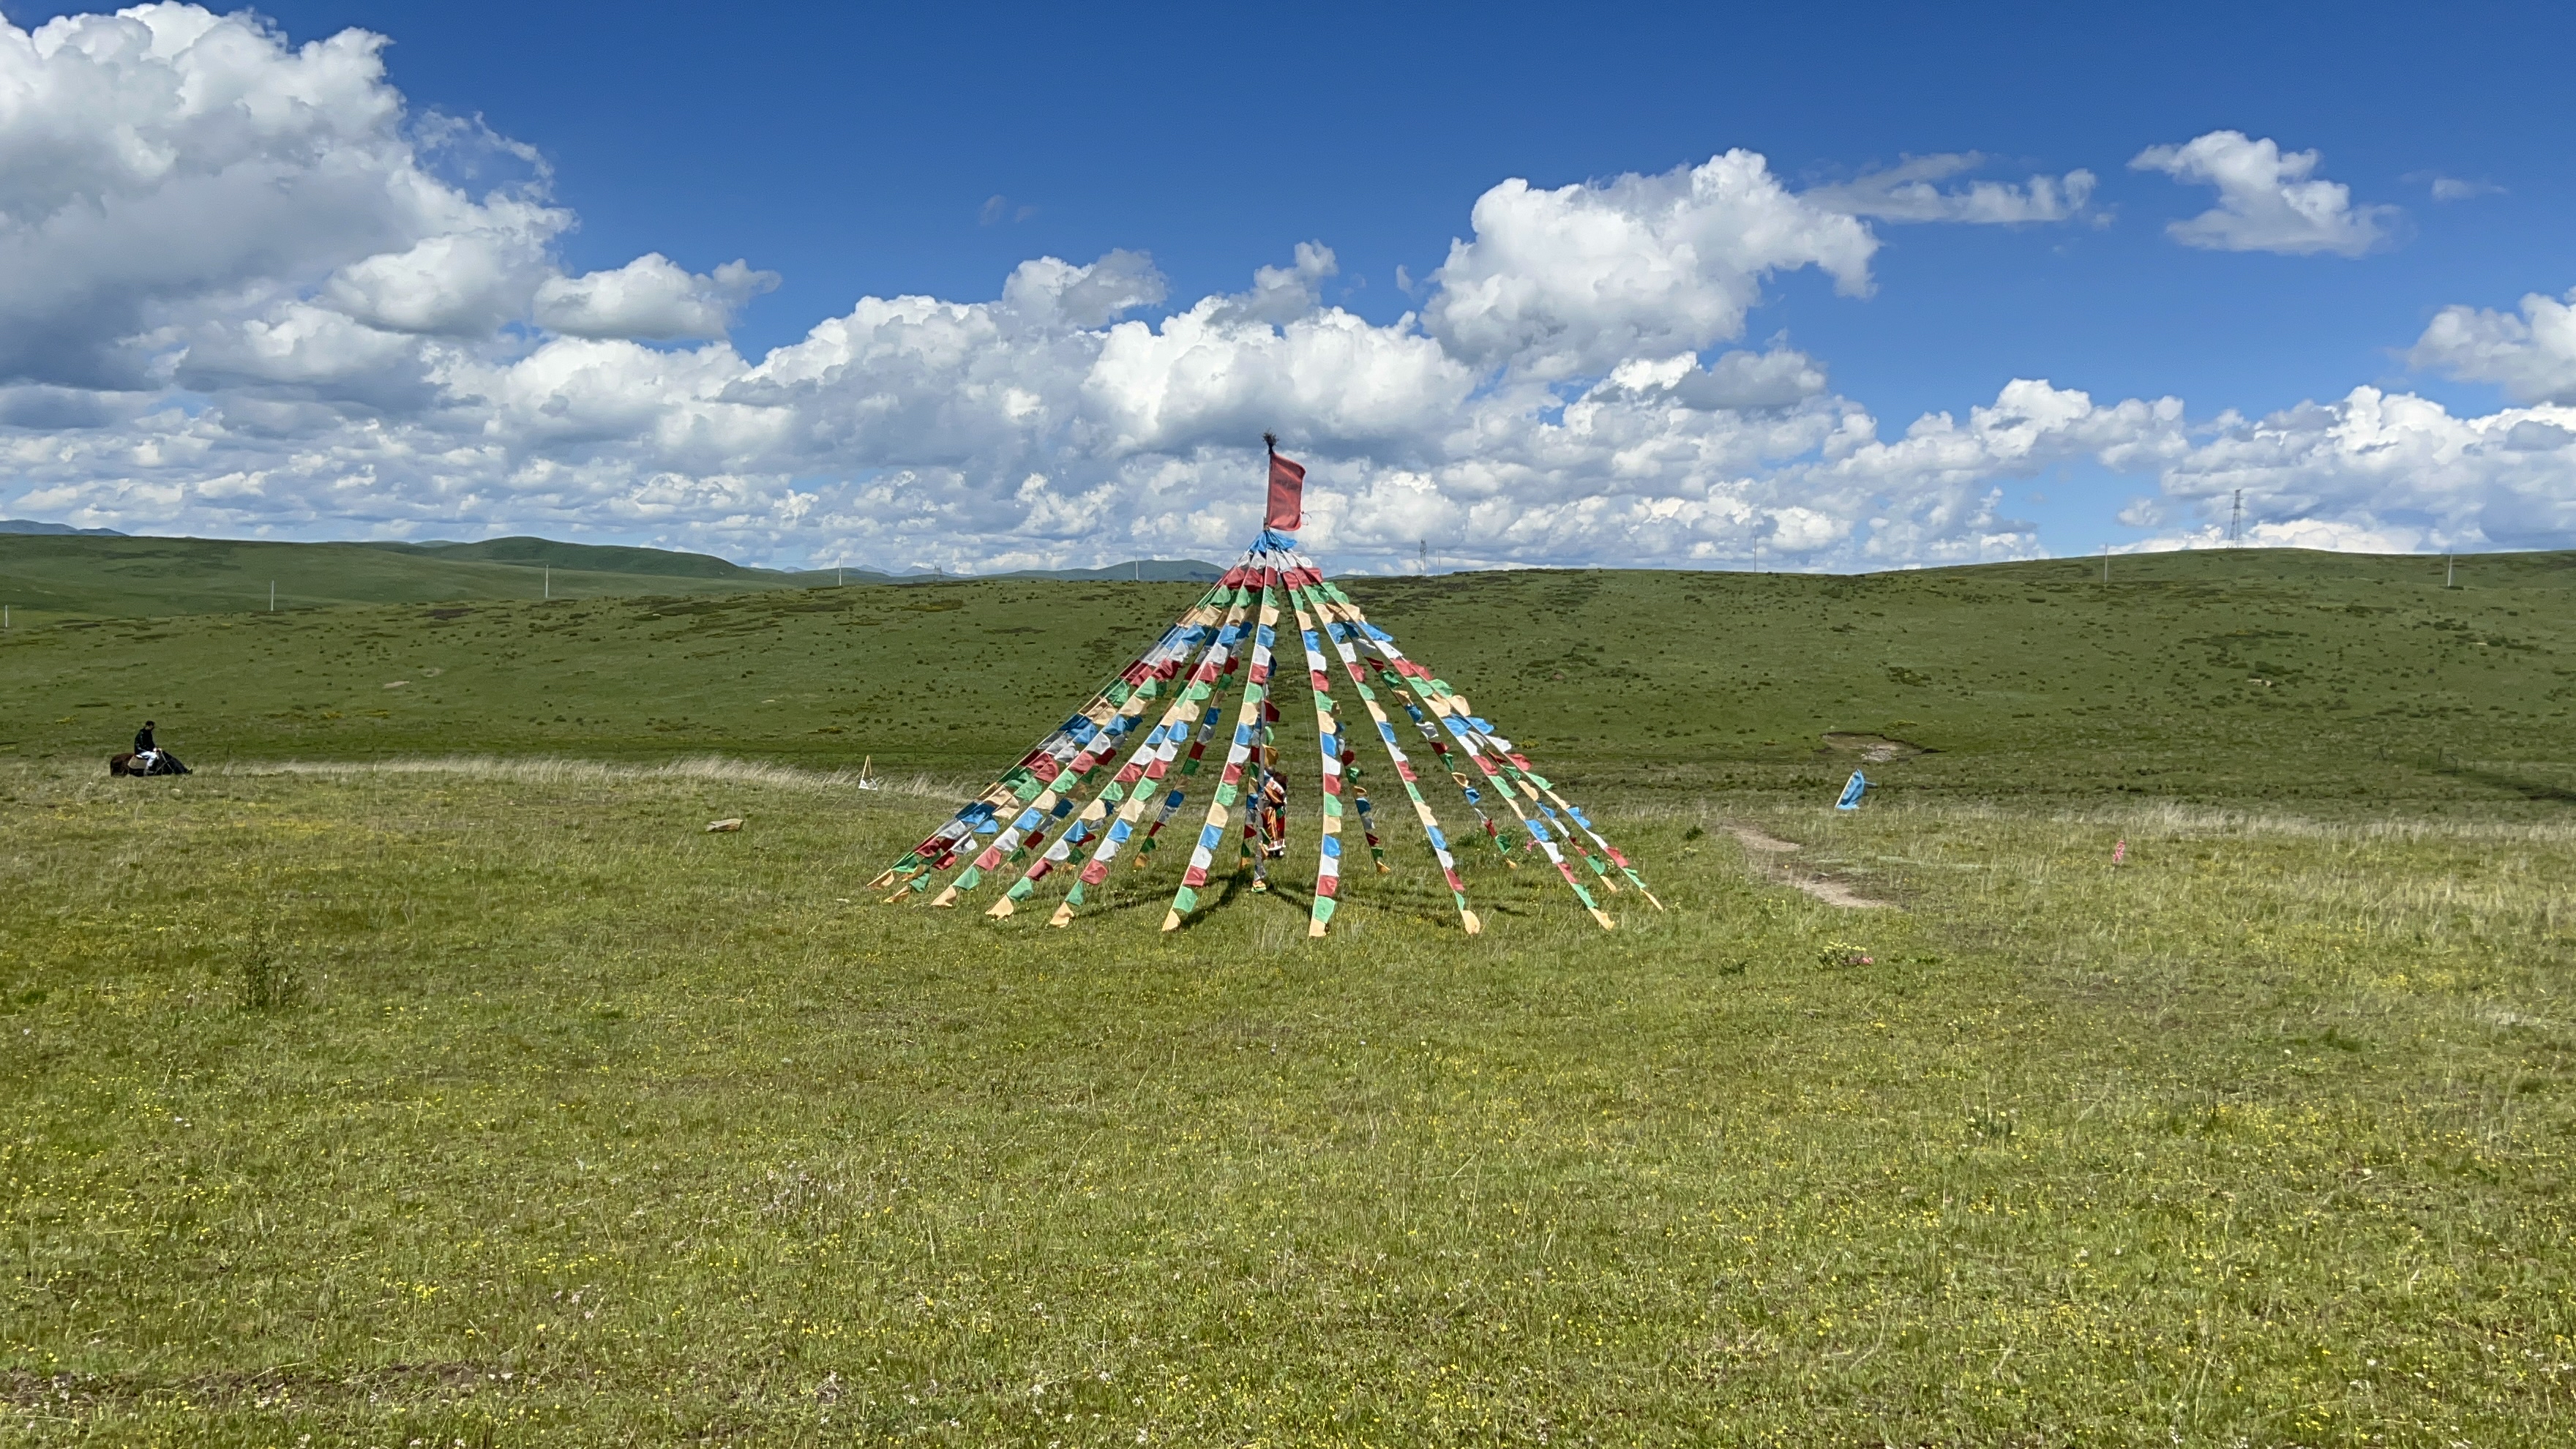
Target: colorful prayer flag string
(1231, 635)
(1247, 726)
(1142, 767)
(1022, 781)
(1056, 797)
(1469, 728)
(1307, 581)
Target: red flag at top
(1287, 495)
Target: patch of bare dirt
(1874, 749)
(1834, 893)
(1764, 852)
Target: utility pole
(837, 580)
(272, 596)
(2450, 570)
(2106, 563)
(2236, 522)
(550, 580)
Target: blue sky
(852, 149)
(855, 152)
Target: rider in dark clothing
(148, 757)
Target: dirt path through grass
(1763, 852)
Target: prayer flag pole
(1231, 635)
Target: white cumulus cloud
(651, 298)
(467, 282)
(1911, 191)
(2268, 200)
(2389, 470)
(1576, 279)
(184, 195)
(2531, 356)
(164, 164)
(1778, 377)
(2453, 188)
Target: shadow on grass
(2510, 784)
(1137, 899)
(1392, 897)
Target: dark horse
(166, 764)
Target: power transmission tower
(1425, 545)
(2236, 522)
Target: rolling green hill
(602, 559)
(58, 576)
(2216, 676)
(50, 578)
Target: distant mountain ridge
(1149, 570)
(29, 525)
(528, 551)
(671, 563)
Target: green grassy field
(360, 1091)
(2225, 678)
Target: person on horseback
(148, 757)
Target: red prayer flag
(1287, 494)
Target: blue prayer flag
(1852, 789)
